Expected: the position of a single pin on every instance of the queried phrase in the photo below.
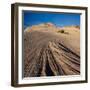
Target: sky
(59, 19)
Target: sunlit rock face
(50, 52)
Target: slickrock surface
(49, 53)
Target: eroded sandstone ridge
(50, 52)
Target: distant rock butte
(48, 26)
(41, 26)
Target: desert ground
(51, 50)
